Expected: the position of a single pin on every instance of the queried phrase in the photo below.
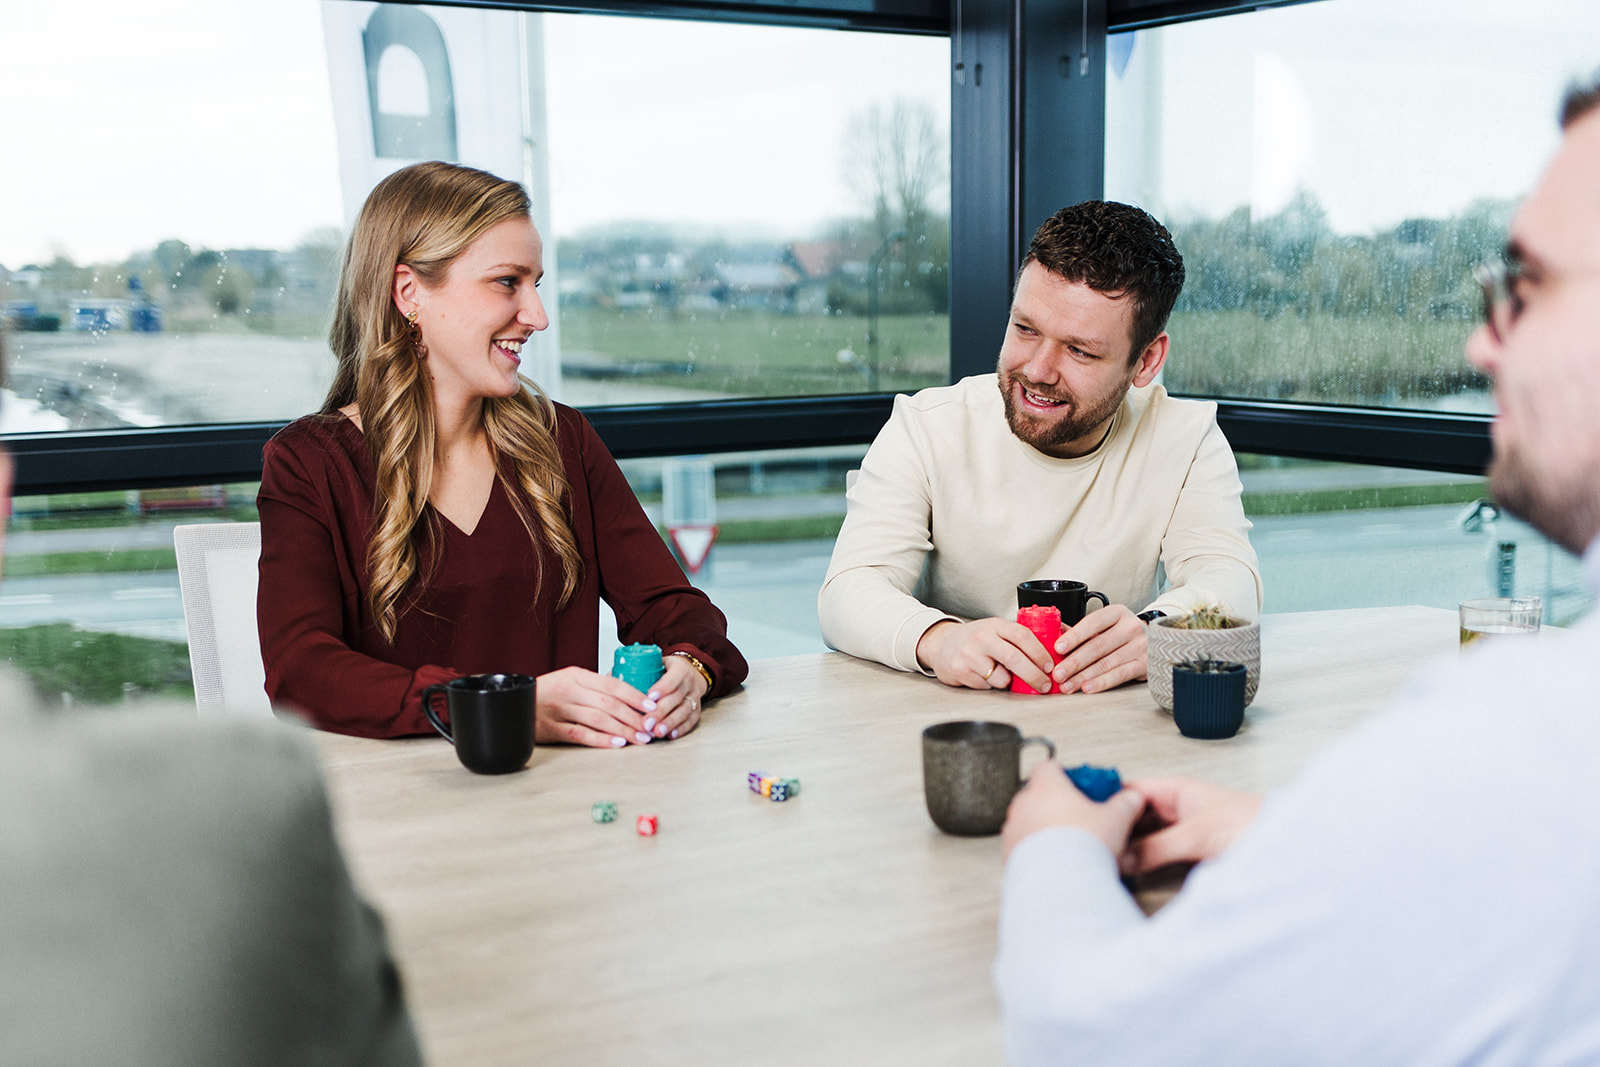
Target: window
(1331, 188)
(733, 211)
(1339, 535)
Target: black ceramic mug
(970, 772)
(491, 720)
(1069, 597)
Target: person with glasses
(1425, 892)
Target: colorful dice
(604, 811)
(647, 825)
(773, 787)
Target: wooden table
(838, 928)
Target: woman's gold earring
(416, 333)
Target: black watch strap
(1150, 616)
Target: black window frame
(1013, 107)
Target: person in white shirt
(1068, 462)
(1425, 893)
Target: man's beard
(1068, 427)
(1570, 519)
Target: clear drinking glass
(1498, 615)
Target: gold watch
(697, 665)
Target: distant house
(817, 259)
(824, 267)
(765, 286)
(580, 290)
(260, 263)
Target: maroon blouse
(486, 607)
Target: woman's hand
(672, 706)
(584, 708)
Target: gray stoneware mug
(970, 772)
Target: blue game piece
(1097, 783)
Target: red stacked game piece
(1044, 621)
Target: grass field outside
(1318, 358)
(756, 353)
(97, 668)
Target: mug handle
(1049, 745)
(427, 709)
(1104, 602)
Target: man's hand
(984, 654)
(1196, 821)
(1050, 799)
(1104, 650)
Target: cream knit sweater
(951, 511)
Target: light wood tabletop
(836, 928)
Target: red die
(647, 825)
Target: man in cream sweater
(1068, 462)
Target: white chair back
(217, 578)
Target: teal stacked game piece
(638, 665)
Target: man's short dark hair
(1118, 250)
(1581, 98)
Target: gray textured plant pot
(1169, 644)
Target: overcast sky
(165, 126)
(129, 123)
(1384, 109)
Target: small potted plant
(1208, 632)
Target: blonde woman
(440, 516)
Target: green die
(604, 811)
(792, 786)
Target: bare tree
(896, 158)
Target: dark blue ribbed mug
(1208, 698)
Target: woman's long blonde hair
(425, 216)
